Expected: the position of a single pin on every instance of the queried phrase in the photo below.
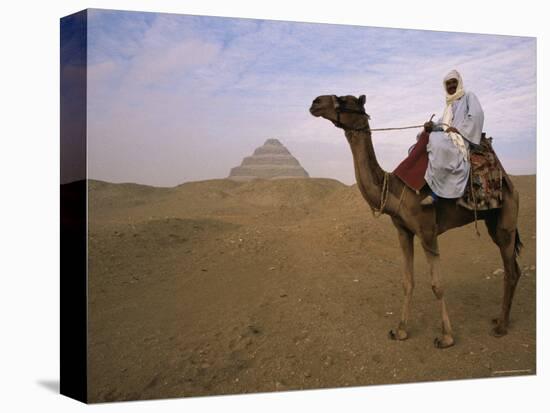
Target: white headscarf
(448, 114)
(453, 74)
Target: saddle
(485, 183)
(487, 176)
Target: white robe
(448, 171)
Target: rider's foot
(429, 200)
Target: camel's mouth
(314, 110)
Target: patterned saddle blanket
(485, 184)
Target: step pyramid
(270, 161)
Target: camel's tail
(518, 245)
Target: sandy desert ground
(219, 287)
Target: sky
(176, 98)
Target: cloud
(175, 97)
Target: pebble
(498, 271)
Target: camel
(385, 193)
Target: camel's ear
(362, 100)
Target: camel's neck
(369, 174)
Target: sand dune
(218, 287)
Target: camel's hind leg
(508, 242)
(406, 239)
(431, 249)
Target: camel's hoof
(398, 334)
(499, 331)
(444, 342)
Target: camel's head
(346, 112)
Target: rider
(450, 138)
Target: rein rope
(400, 128)
(340, 107)
(405, 127)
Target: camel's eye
(317, 100)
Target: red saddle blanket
(412, 170)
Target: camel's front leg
(406, 239)
(432, 254)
